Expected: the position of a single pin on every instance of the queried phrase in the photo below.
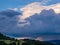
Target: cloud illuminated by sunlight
(36, 7)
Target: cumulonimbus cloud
(36, 7)
(35, 18)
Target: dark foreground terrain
(4, 40)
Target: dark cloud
(45, 22)
(8, 21)
(10, 13)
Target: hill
(4, 40)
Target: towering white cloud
(56, 7)
(37, 7)
(31, 9)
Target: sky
(27, 17)
(5, 4)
